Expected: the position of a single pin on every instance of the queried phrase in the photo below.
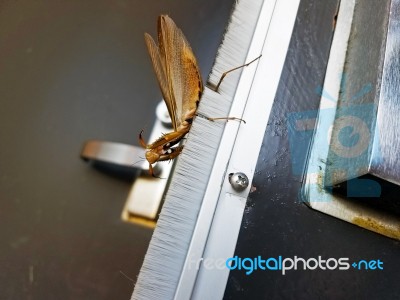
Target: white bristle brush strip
(163, 263)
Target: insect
(181, 85)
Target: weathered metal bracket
(352, 171)
(146, 195)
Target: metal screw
(239, 181)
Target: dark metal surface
(276, 222)
(70, 72)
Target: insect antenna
(141, 160)
(216, 87)
(126, 276)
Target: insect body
(181, 86)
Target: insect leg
(171, 153)
(141, 140)
(171, 137)
(151, 171)
(216, 87)
(220, 118)
(172, 143)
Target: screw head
(239, 181)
